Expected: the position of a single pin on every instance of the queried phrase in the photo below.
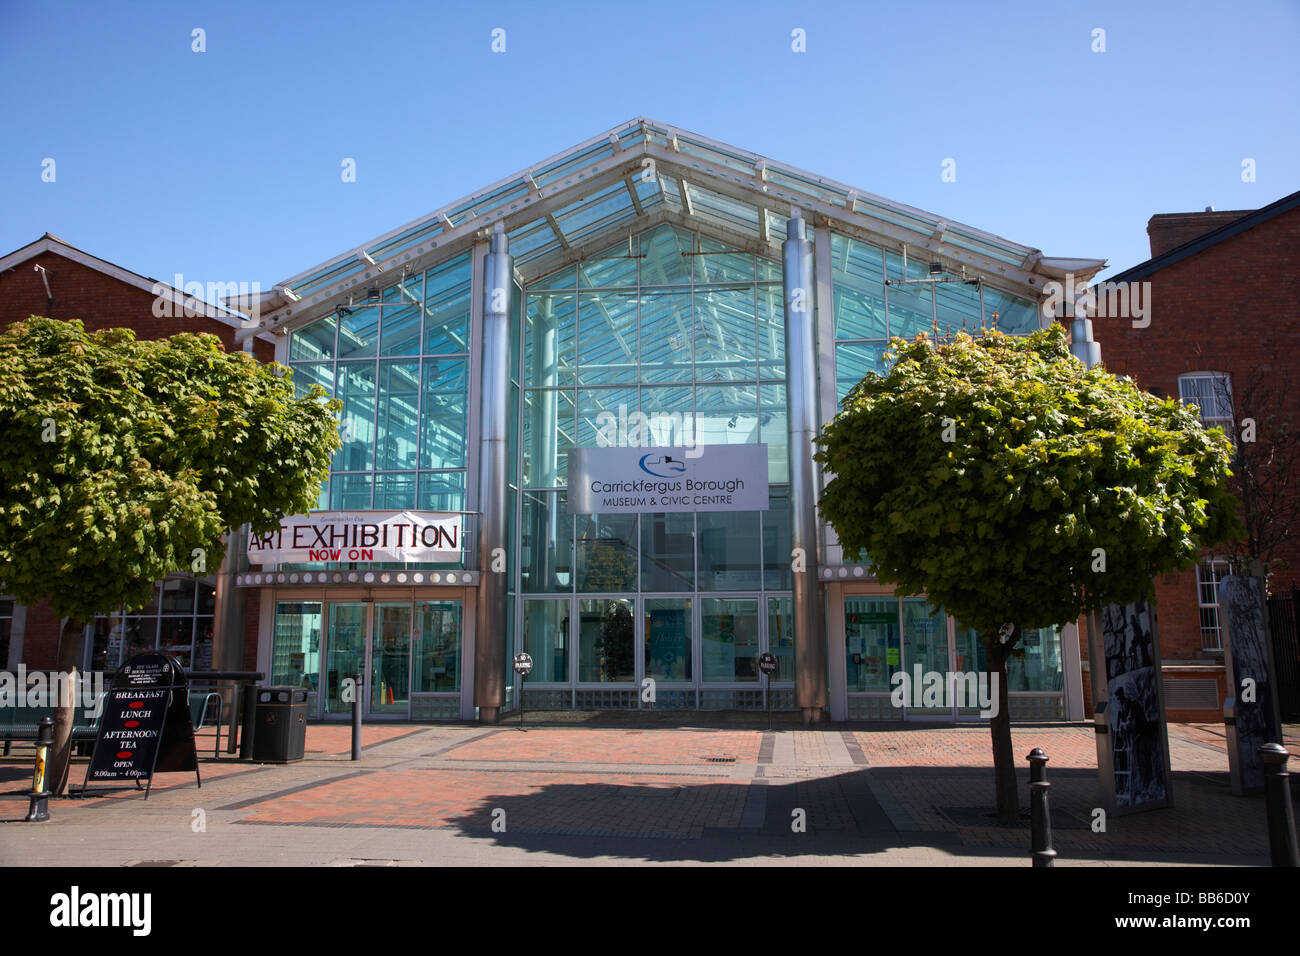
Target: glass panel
(780, 636)
(607, 338)
(726, 415)
(356, 388)
(346, 653)
(911, 307)
(601, 414)
(725, 335)
(395, 492)
(668, 552)
(564, 279)
(670, 418)
(972, 659)
(359, 332)
(666, 335)
(106, 643)
(202, 659)
(1015, 316)
(443, 437)
(446, 307)
(859, 289)
(958, 305)
(410, 291)
(730, 551)
(315, 373)
(175, 634)
(668, 639)
(664, 263)
(399, 398)
(872, 648)
(853, 362)
(437, 646)
(548, 435)
(1040, 668)
(606, 641)
(400, 329)
(722, 264)
(612, 268)
(295, 651)
(547, 543)
(150, 606)
(351, 492)
(774, 432)
(606, 552)
(390, 660)
(778, 541)
(925, 642)
(546, 639)
(442, 491)
(550, 340)
(771, 331)
(178, 596)
(314, 342)
(207, 598)
(729, 639)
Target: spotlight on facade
(372, 294)
(936, 268)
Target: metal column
(494, 402)
(801, 385)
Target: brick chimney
(1169, 229)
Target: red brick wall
(1168, 230)
(1235, 308)
(100, 301)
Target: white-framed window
(1211, 392)
(1208, 573)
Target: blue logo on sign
(661, 466)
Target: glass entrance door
(374, 641)
(925, 645)
(390, 660)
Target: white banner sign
(360, 536)
(634, 480)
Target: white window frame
(1220, 386)
(1211, 637)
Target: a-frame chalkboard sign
(146, 727)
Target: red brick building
(1221, 328)
(51, 278)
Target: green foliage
(1047, 462)
(122, 457)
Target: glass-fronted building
(650, 290)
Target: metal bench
(202, 702)
(22, 723)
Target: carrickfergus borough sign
(633, 480)
(424, 536)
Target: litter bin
(279, 724)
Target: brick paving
(724, 788)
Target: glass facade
(867, 312)
(399, 362)
(668, 339)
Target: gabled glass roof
(560, 208)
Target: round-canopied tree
(126, 460)
(1018, 489)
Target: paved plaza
(616, 788)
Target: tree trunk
(1004, 758)
(71, 648)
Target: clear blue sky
(225, 165)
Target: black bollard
(356, 716)
(1040, 816)
(1277, 801)
(38, 810)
